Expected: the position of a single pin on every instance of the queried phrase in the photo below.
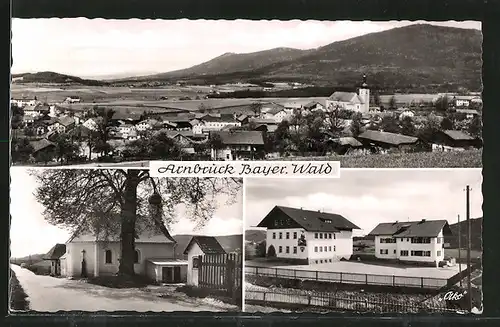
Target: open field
(453, 159)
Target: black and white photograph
(370, 94)
(379, 241)
(121, 240)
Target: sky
(100, 48)
(370, 197)
(31, 234)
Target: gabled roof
(386, 137)
(41, 145)
(422, 228)
(275, 110)
(312, 220)
(208, 244)
(347, 141)
(241, 137)
(312, 104)
(458, 135)
(66, 120)
(345, 97)
(56, 252)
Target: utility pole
(467, 212)
(459, 251)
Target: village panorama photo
(108, 93)
(411, 244)
(121, 240)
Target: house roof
(208, 244)
(344, 96)
(468, 111)
(56, 252)
(386, 137)
(66, 120)
(312, 220)
(458, 135)
(348, 141)
(275, 110)
(421, 228)
(241, 137)
(221, 118)
(312, 104)
(41, 144)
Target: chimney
(422, 221)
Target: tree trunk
(128, 219)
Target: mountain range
(405, 57)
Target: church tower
(364, 94)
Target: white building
(91, 124)
(307, 237)
(91, 255)
(199, 246)
(355, 101)
(417, 241)
(207, 124)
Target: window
(321, 235)
(196, 262)
(330, 235)
(136, 256)
(438, 253)
(388, 240)
(316, 261)
(109, 256)
(315, 235)
(325, 248)
(326, 236)
(294, 235)
(330, 248)
(294, 250)
(334, 236)
(334, 248)
(407, 240)
(287, 249)
(438, 240)
(421, 240)
(287, 235)
(280, 249)
(320, 249)
(281, 235)
(404, 253)
(427, 253)
(421, 253)
(321, 261)
(330, 260)
(274, 235)
(384, 251)
(315, 249)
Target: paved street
(49, 294)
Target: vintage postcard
(96, 92)
(120, 240)
(380, 241)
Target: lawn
(462, 159)
(18, 298)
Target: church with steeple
(356, 101)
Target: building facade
(415, 241)
(307, 237)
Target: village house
(73, 99)
(355, 101)
(451, 140)
(277, 114)
(461, 101)
(347, 146)
(62, 124)
(306, 236)
(405, 112)
(469, 113)
(237, 145)
(124, 117)
(209, 123)
(54, 256)
(21, 103)
(198, 246)
(42, 148)
(313, 106)
(180, 123)
(36, 111)
(413, 241)
(88, 254)
(126, 130)
(91, 124)
(383, 141)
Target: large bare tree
(104, 201)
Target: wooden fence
(221, 272)
(301, 299)
(349, 278)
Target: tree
(66, 150)
(356, 124)
(256, 108)
(203, 108)
(476, 127)
(44, 156)
(335, 124)
(376, 99)
(407, 126)
(429, 128)
(442, 103)
(17, 117)
(392, 103)
(21, 150)
(157, 146)
(446, 124)
(260, 250)
(282, 137)
(125, 202)
(390, 124)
